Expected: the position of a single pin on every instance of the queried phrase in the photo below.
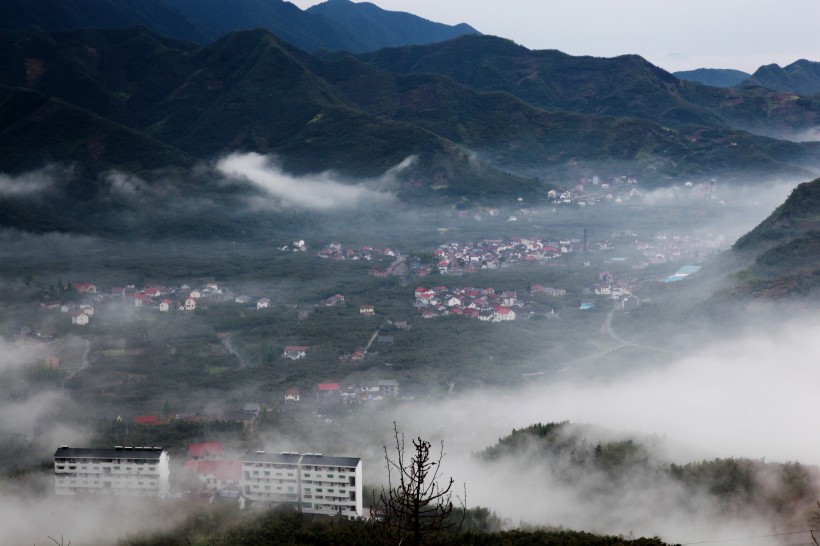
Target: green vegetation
(737, 485)
(285, 527)
(477, 112)
(784, 248)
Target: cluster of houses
(332, 396)
(456, 258)
(335, 251)
(664, 247)
(247, 416)
(595, 190)
(160, 298)
(477, 303)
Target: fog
(320, 191)
(753, 396)
(688, 390)
(32, 183)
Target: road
(607, 328)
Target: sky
(673, 34)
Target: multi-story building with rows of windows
(311, 482)
(134, 471)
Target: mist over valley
(226, 253)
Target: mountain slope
(308, 31)
(622, 86)
(249, 91)
(716, 77)
(377, 28)
(75, 14)
(36, 130)
(513, 133)
(797, 216)
(801, 77)
(337, 25)
(785, 251)
(549, 79)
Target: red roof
(202, 450)
(328, 386)
(222, 470)
(501, 310)
(146, 419)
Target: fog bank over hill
(321, 191)
(752, 396)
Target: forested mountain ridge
(622, 86)
(250, 91)
(783, 252)
(801, 77)
(336, 25)
(715, 77)
(594, 459)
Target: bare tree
(417, 504)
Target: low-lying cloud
(319, 191)
(31, 183)
(753, 396)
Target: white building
(126, 471)
(80, 319)
(312, 483)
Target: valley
(326, 273)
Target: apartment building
(310, 482)
(126, 471)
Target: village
(378, 321)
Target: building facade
(312, 483)
(126, 471)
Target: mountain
(716, 77)
(75, 14)
(759, 110)
(784, 249)
(796, 217)
(552, 80)
(250, 91)
(337, 25)
(595, 462)
(377, 28)
(621, 86)
(801, 77)
(36, 130)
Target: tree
(417, 504)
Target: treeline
(574, 452)
(227, 526)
